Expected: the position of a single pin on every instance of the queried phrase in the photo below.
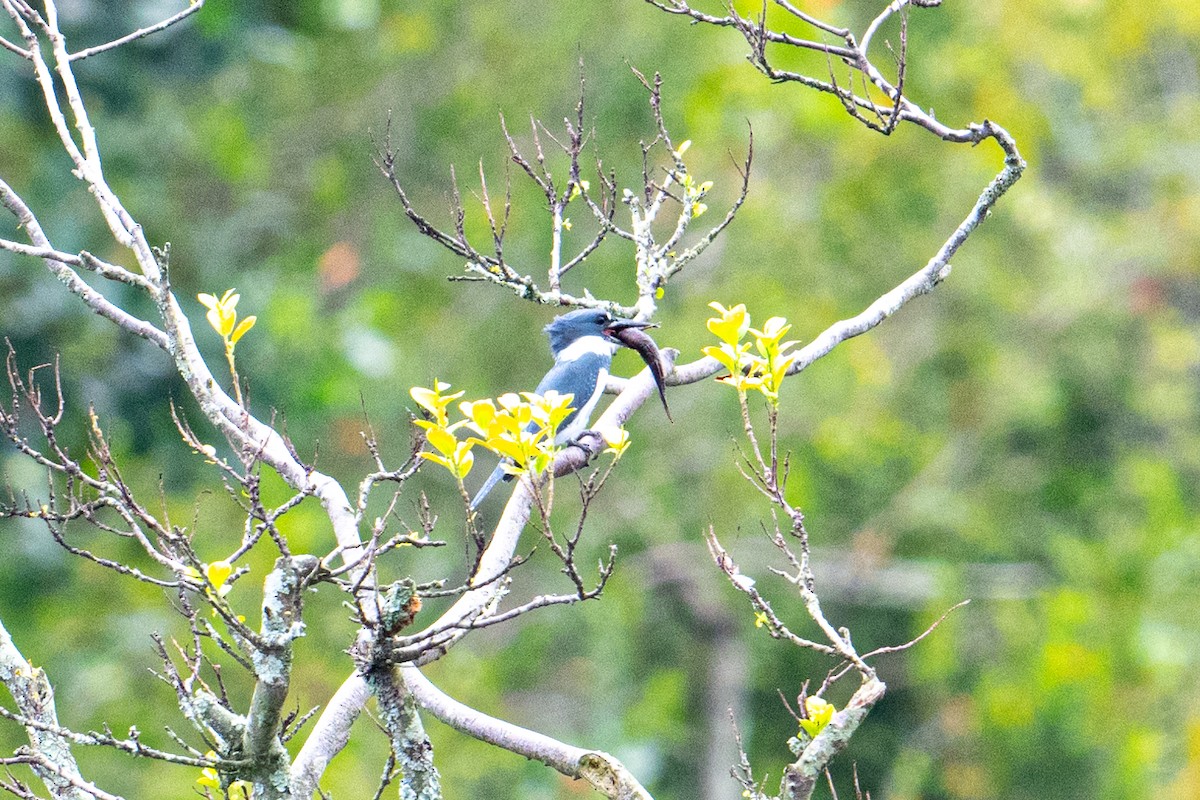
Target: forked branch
(662, 211)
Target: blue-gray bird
(583, 343)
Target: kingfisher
(583, 343)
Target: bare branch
(31, 691)
(69, 278)
(329, 735)
(281, 625)
(75, 784)
(12, 48)
(899, 647)
(656, 261)
(193, 7)
(132, 745)
(605, 773)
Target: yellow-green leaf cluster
(448, 450)
(617, 440)
(217, 574)
(693, 191)
(434, 401)
(819, 714)
(210, 779)
(578, 189)
(519, 428)
(222, 316)
(761, 371)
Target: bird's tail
(498, 474)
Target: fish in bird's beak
(631, 334)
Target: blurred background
(1025, 437)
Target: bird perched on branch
(583, 343)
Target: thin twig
(193, 7)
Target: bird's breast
(586, 346)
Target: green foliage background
(1025, 437)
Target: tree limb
(30, 689)
(604, 772)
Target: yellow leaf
(819, 713)
(523, 414)
(242, 328)
(732, 325)
(226, 317)
(433, 400)
(776, 327)
(617, 440)
(208, 775)
(435, 458)
(442, 439)
(463, 461)
(481, 413)
(731, 359)
(208, 778)
(550, 410)
(426, 398)
(221, 314)
(506, 447)
(214, 319)
(218, 572)
(243, 789)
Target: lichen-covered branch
(801, 776)
(410, 746)
(281, 626)
(30, 689)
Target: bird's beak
(629, 333)
(617, 325)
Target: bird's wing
(498, 474)
(579, 377)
